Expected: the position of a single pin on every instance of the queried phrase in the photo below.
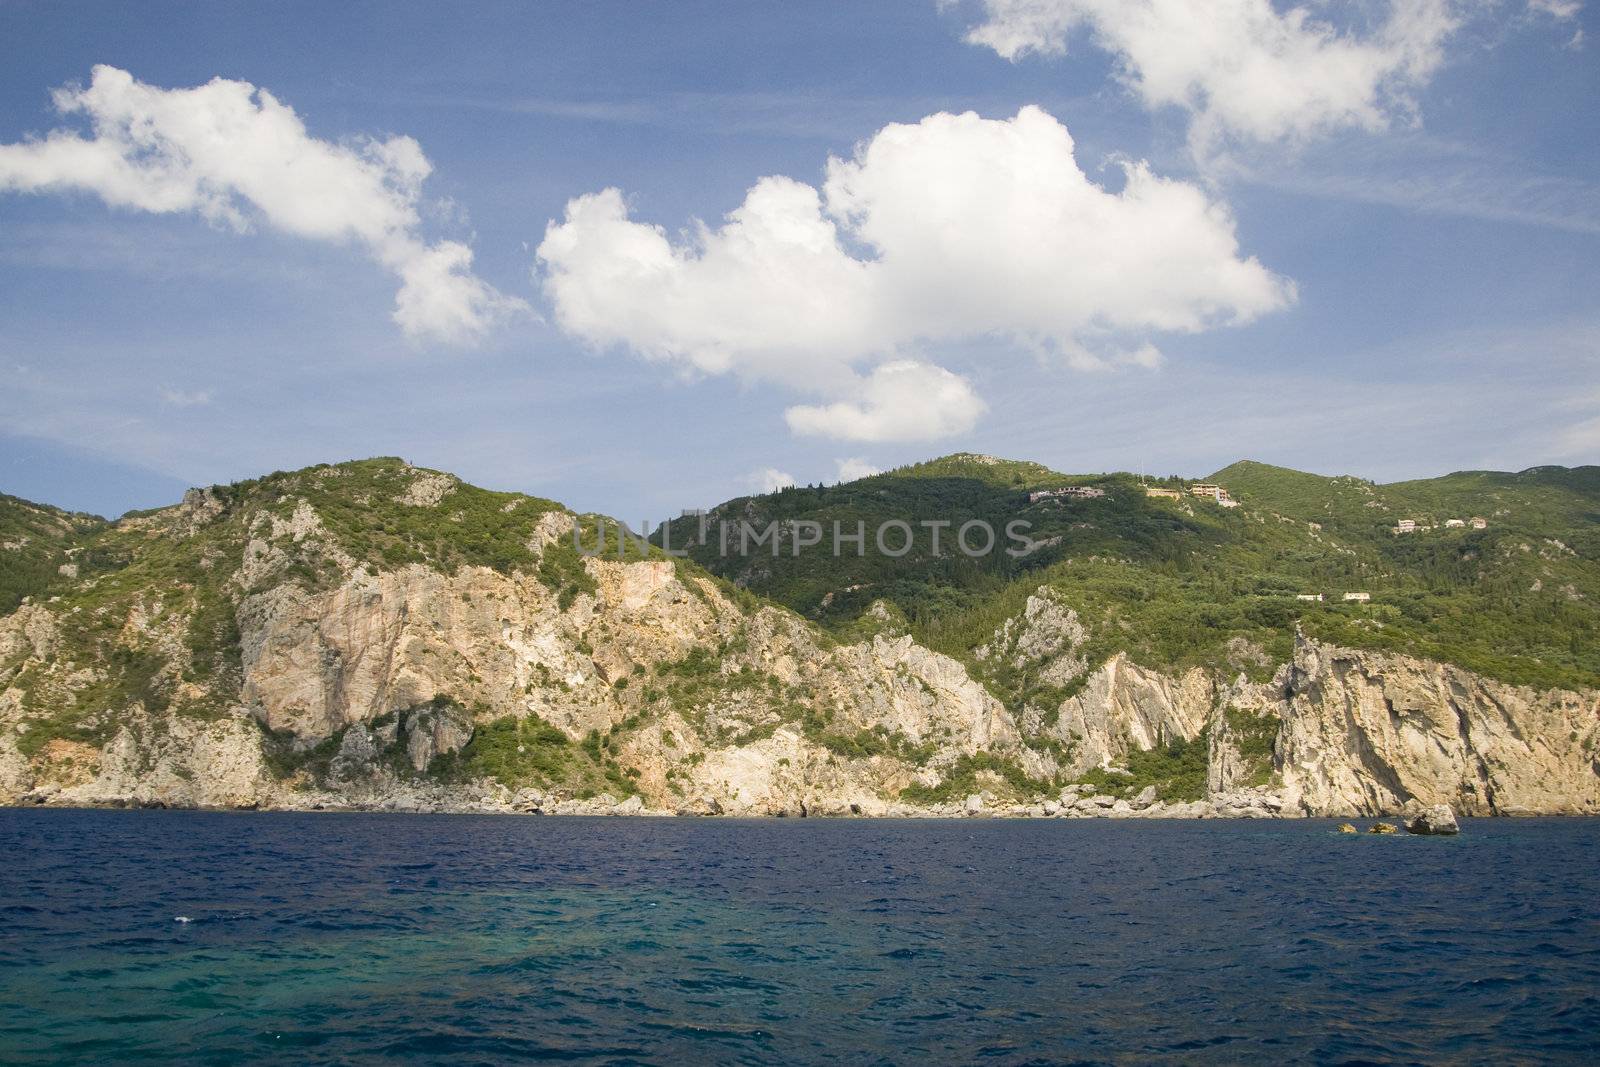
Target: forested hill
(1189, 581)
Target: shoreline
(930, 815)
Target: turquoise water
(327, 938)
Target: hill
(377, 635)
(1186, 582)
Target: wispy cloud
(1426, 174)
(814, 115)
(184, 398)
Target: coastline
(942, 813)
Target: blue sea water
(334, 938)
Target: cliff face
(1365, 733)
(416, 686)
(372, 691)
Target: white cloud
(1242, 67)
(956, 227)
(770, 480)
(901, 400)
(1250, 69)
(1557, 9)
(235, 155)
(854, 469)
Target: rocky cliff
(262, 648)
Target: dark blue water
(337, 938)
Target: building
(1080, 492)
(1167, 494)
(1455, 524)
(1405, 526)
(1308, 596)
(1215, 492)
(1362, 597)
(1479, 524)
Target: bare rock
(1437, 820)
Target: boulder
(1346, 828)
(632, 806)
(974, 804)
(1438, 819)
(1146, 797)
(1381, 828)
(1051, 808)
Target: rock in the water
(1438, 819)
(1346, 828)
(1381, 828)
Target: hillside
(377, 635)
(34, 544)
(1185, 582)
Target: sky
(647, 257)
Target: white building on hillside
(1081, 492)
(1358, 596)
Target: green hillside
(1188, 582)
(1172, 582)
(34, 543)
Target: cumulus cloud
(1250, 69)
(1243, 68)
(236, 156)
(902, 400)
(770, 480)
(953, 228)
(854, 469)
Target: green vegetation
(364, 507)
(972, 774)
(35, 543)
(528, 751)
(1253, 737)
(1186, 583)
(1177, 769)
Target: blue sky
(1411, 288)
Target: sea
(311, 938)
